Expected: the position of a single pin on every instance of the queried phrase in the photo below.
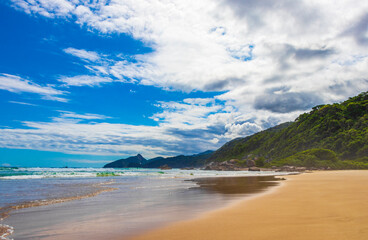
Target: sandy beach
(319, 205)
(142, 200)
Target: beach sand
(319, 205)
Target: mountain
(239, 147)
(136, 161)
(330, 136)
(180, 161)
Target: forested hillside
(333, 135)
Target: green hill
(332, 135)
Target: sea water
(135, 200)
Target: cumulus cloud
(223, 45)
(17, 84)
(52, 8)
(190, 126)
(287, 102)
(311, 51)
(359, 30)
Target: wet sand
(319, 205)
(137, 205)
(6, 230)
(97, 189)
(237, 187)
(174, 206)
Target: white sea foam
(38, 173)
(9, 231)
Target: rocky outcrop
(251, 163)
(165, 167)
(231, 165)
(287, 168)
(187, 168)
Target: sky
(83, 83)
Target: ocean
(98, 203)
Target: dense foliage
(339, 130)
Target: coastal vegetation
(331, 136)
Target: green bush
(260, 162)
(328, 133)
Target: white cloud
(269, 57)
(86, 116)
(238, 46)
(47, 8)
(83, 54)
(16, 84)
(179, 126)
(90, 138)
(84, 80)
(23, 103)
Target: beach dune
(319, 205)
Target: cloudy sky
(86, 82)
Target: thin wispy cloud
(83, 54)
(88, 161)
(84, 80)
(24, 103)
(19, 85)
(86, 116)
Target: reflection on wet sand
(237, 185)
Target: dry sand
(319, 205)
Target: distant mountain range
(332, 136)
(181, 161)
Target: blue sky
(84, 83)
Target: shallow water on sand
(139, 202)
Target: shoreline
(318, 205)
(99, 188)
(7, 230)
(192, 202)
(273, 184)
